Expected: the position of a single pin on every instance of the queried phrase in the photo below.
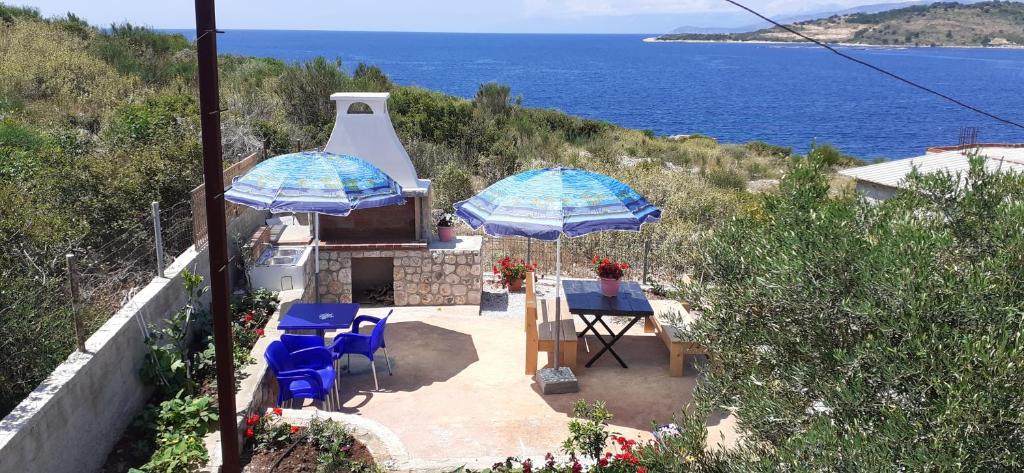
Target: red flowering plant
(269, 432)
(250, 314)
(609, 269)
(254, 308)
(626, 460)
(550, 465)
(508, 270)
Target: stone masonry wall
(422, 277)
(438, 278)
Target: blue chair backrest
(278, 357)
(295, 342)
(377, 336)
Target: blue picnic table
(319, 317)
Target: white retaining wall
(72, 420)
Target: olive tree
(856, 337)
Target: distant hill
(872, 8)
(990, 23)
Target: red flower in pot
(611, 273)
(511, 274)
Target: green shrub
(333, 441)
(45, 68)
(8, 14)
(852, 337)
(493, 98)
(431, 116)
(587, 434)
(305, 91)
(181, 424)
(170, 363)
(19, 145)
(430, 158)
(150, 55)
(765, 149)
(157, 119)
(726, 178)
(274, 136)
(830, 156)
(451, 186)
(369, 78)
(268, 432)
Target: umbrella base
(557, 381)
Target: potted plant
(446, 227)
(511, 274)
(610, 273)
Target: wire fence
(52, 299)
(637, 249)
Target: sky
(497, 16)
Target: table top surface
(318, 316)
(583, 296)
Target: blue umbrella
(547, 203)
(318, 182)
(314, 181)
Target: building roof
(892, 173)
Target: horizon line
(192, 29)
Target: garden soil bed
(302, 459)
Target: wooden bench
(671, 336)
(541, 337)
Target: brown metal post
(76, 305)
(213, 176)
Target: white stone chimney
(363, 128)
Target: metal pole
(213, 176)
(76, 316)
(558, 300)
(529, 241)
(158, 239)
(647, 251)
(316, 255)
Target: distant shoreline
(655, 39)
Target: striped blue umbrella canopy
(545, 203)
(317, 182)
(314, 181)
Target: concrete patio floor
(459, 394)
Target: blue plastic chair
(355, 343)
(306, 374)
(295, 342)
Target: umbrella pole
(558, 300)
(316, 250)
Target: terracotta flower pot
(446, 233)
(610, 287)
(515, 285)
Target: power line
(879, 69)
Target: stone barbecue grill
(390, 247)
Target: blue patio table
(319, 317)
(584, 298)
